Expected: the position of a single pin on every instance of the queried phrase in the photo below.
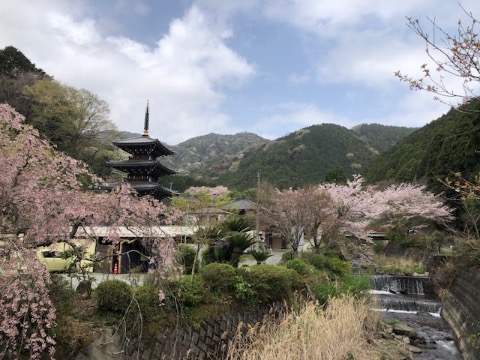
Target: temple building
(143, 168)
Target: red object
(115, 268)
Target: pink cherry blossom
(46, 197)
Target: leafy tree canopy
(13, 63)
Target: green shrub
(185, 292)
(324, 290)
(330, 264)
(62, 296)
(355, 285)
(208, 255)
(242, 289)
(148, 301)
(352, 285)
(185, 255)
(113, 296)
(300, 266)
(378, 247)
(288, 255)
(219, 277)
(271, 283)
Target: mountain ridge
(232, 159)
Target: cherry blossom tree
(46, 197)
(330, 211)
(319, 212)
(403, 205)
(455, 58)
(216, 193)
(351, 209)
(398, 206)
(295, 213)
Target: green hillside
(381, 137)
(448, 144)
(202, 156)
(302, 157)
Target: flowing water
(412, 301)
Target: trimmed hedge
(113, 296)
(219, 277)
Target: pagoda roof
(145, 188)
(147, 167)
(153, 146)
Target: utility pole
(257, 224)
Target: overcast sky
(226, 66)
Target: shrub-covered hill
(302, 157)
(448, 144)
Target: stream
(412, 301)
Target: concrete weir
(412, 301)
(461, 310)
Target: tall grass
(398, 265)
(341, 331)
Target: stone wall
(208, 341)
(461, 310)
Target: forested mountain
(305, 156)
(202, 156)
(311, 155)
(381, 137)
(448, 144)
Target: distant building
(143, 171)
(143, 167)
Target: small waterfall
(412, 300)
(403, 284)
(392, 302)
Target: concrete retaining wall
(209, 341)
(461, 310)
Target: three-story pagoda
(143, 168)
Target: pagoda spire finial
(145, 127)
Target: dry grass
(339, 332)
(398, 265)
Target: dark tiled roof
(142, 188)
(157, 148)
(151, 167)
(243, 204)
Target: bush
(185, 255)
(351, 285)
(324, 290)
(219, 277)
(148, 301)
(271, 283)
(113, 296)
(331, 264)
(208, 255)
(62, 296)
(185, 292)
(300, 266)
(355, 285)
(288, 255)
